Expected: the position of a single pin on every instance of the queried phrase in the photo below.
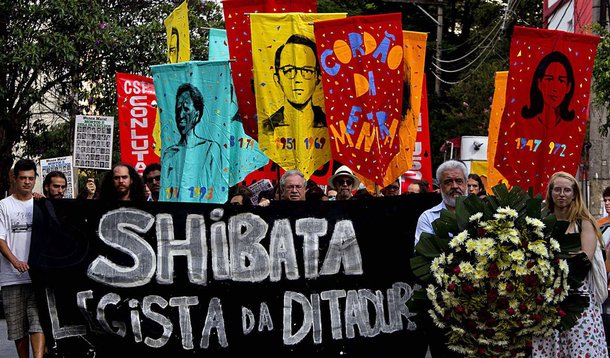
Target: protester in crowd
(265, 197)
(435, 186)
(54, 185)
(418, 186)
(331, 193)
(122, 183)
(20, 309)
(89, 191)
(315, 193)
(292, 185)
(361, 193)
(345, 182)
(451, 176)
(586, 338)
(393, 189)
(152, 176)
(475, 186)
(241, 195)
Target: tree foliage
(64, 54)
(601, 75)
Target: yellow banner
(494, 177)
(292, 129)
(178, 37)
(414, 60)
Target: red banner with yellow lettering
(362, 73)
(136, 98)
(414, 61)
(547, 101)
(237, 22)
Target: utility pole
(439, 39)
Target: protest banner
(93, 138)
(137, 105)
(173, 279)
(361, 61)
(178, 35)
(64, 165)
(237, 22)
(544, 122)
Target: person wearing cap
(345, 182)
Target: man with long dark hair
(122, 183)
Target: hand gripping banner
(362, 71)
(413, 75)
(547, 102)
(198, 133)
(289, 97)
(137, 120)
(237, 22)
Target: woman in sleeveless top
(586, 338)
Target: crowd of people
(123, 183)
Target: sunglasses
(344, 181)
(152, 179)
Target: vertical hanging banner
(292, 127)
(414, 59)
(237, 22)
(362, 71)
(178, 36)
(422, 161)
(137, 105)
(218, 45)
(494, 177)
(64, 165)
(93, 142)
(198, 134)
(547, 101)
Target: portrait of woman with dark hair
(551, 91)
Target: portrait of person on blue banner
(197, 135)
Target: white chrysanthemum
(431, 292)
(466, 268)
(499, 216)
(435, 265)
(482, 246)
(554, 245)
(508, 212)
(521, 270)
(563, 266)
(539, 248)
(471, 245)
(537, 224)
(458, 239)
(517, 256)
(475, 217)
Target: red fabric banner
(362, 74)
(237, 23)
(547, 105)
(137, 118)
(422, 160)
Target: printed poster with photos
(93, 142)
(64, 165)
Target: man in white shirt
(452, 176)
(16, 212)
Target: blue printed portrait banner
(175, 279)
(204, 149)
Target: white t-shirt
(16, 230)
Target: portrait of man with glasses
(297, 73)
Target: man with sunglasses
(152, 176)
(297, 72)
(345, 182)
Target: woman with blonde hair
(586, 338)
